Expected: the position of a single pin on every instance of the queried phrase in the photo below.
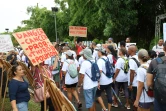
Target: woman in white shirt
(143, 101)
(121, 78)
(70, 82)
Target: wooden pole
(45, 102)
(1, 84)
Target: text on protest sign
(77, 31)
(6, 43)
(36, 45)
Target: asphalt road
(98, 107)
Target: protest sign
(36, 45)
(164, 31)
(77, 31)
(6, 43)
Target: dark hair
(123, 50)
(144, 58)
(123, 43)
(112, 50)
(14, 69)
(129, 38)
(161, 54)
(152, 54)
(71, 57)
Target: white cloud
(14, 11)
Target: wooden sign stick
(1, 84)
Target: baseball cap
(101, 50)
(69, 53)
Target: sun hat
(87, 53)
(110, 39)
(69, 53)
(101, 50)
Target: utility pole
(54, 10)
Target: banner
(6, 43)
(164, 31)
(77, 31)
(36, 45)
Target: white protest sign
(6, 43)
(164, 31)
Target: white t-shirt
(133, 66)
(81, 60)
(122, 77)
(141, 76)
(63, 57)
(86, 69)
(158, 49)
(110, 57)
(48, 62)
(68, 79)
(95, 55)
(104, 80)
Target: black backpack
(109, 68)
(95, 72)
(160, 80)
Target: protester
(111, 42)
(95, 53)
(121, 77)
(39, 82)
(89, 86)
(111, 53)
(143, 101)
(152, 55)
(158, 47)
(79, 47)
(71, 82)
(105, 82)
(18, 90)
(132, 78)
(151, 74)
(128, 39)
(12, 58)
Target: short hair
(152, 54)
(123, 50)
(123, 43)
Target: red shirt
(79, 49)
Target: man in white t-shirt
(133, 65)
(89, 86)
(159, 47)
(105, 82)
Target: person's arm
(75, 42)
(139, 92)
(149, 80)
(118, 68)
(64, 68)
(132, 72)
(116, 73)
(14, 106)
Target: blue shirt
(18, 91)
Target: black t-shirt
(153, 66)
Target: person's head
(132, 50)
(122, 51)
(65, 48)
(152, 54)
(160, 42)
(122, 44)
(17, 70)
(93, 45)
(79, 41)
(57, 47)
(69, 55)
(110, 49)
(110, 40)
(87, 54)
(101, 52)
(143, 55)
(128, 39)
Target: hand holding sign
(36, 45)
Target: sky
(14, 11)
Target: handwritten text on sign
(78, 31)
(36, 45)
(6, 43)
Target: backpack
(109, 68)
(94, 71)
(160, 81)
(126, 66)
(72, 69)
(136, 61)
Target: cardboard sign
(36, 45)
(77, 31)
(6, 43)
(164, 31)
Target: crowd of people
(111, 70)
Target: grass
(31, 105)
